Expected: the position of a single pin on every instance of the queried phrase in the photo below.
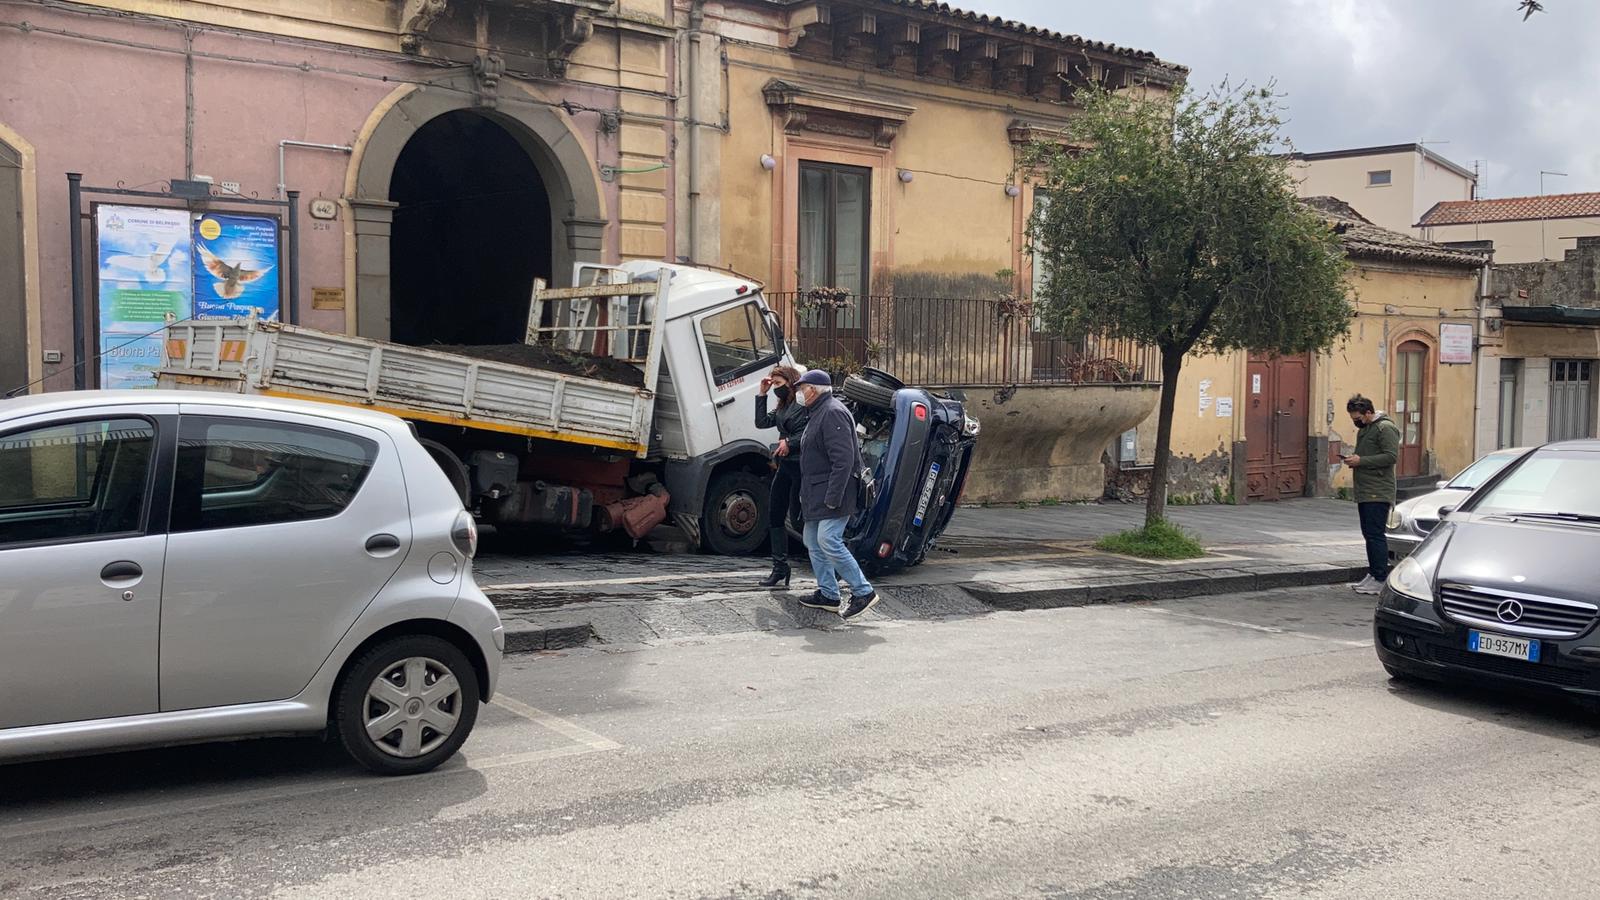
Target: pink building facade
(424, 140)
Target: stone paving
(996, 558)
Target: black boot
(780, 560)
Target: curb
(1177, 589)
(525, 637)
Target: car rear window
(234, 473)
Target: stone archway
(569, 176)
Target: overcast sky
(1518, 96)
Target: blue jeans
(1374, 520)
(831, 560)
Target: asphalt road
(1243, 746)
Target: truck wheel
(735, 521)
(869, 393)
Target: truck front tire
(735, 519)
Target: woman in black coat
(790, 419)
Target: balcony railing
(955, 341)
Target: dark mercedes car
(920, 446)
(1504, 590)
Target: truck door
(738, 347)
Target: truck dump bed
(250, 356)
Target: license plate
(1499, 645)
(927, 494)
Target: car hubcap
(739, 514)
(413, 707)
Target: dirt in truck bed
(550, 359)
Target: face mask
(783, 393)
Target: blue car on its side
(919, 445)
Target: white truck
(571, 446)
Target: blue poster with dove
(236, 266)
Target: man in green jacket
(1372, 469)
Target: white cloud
(1519, 95)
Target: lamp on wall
(906, 176)
(1013, 191)
(767, 162)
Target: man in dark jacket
(1372, 471)
(830, 468)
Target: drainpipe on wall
(697, 16)
(282, 145)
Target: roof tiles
(1513, 209)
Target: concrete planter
(1044, 442)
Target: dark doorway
(471, 232)
(13, 299)
(1277, 422)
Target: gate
(1571, 399)
(1277, 427)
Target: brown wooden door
(1276, 424)
(1409, 381)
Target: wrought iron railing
(955, 341)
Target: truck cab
(719, 339)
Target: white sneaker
(1367, 585)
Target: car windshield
(1481, 471)
(1549, 481)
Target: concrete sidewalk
(990, 559)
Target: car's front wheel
(407, 705)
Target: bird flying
(230, 278)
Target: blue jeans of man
(831, 559)
(1374, 520)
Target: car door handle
(722, 403)
(121, 570)
(382, 544)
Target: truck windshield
(738, 341)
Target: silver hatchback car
(178, 568)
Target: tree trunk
(1155, 508)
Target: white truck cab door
(738, 347)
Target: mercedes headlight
(969, 425)
(1412, 579)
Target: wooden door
(1410, 378)
(1277, 422)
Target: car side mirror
(1441, 484)
(1445, 511)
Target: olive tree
(1172, 221)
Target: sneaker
(817, 601)
(1367, 585)
(859, 605)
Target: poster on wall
(142, 273)
(1455, 344)
(143, 259)
(129, 361)
(236, 266)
